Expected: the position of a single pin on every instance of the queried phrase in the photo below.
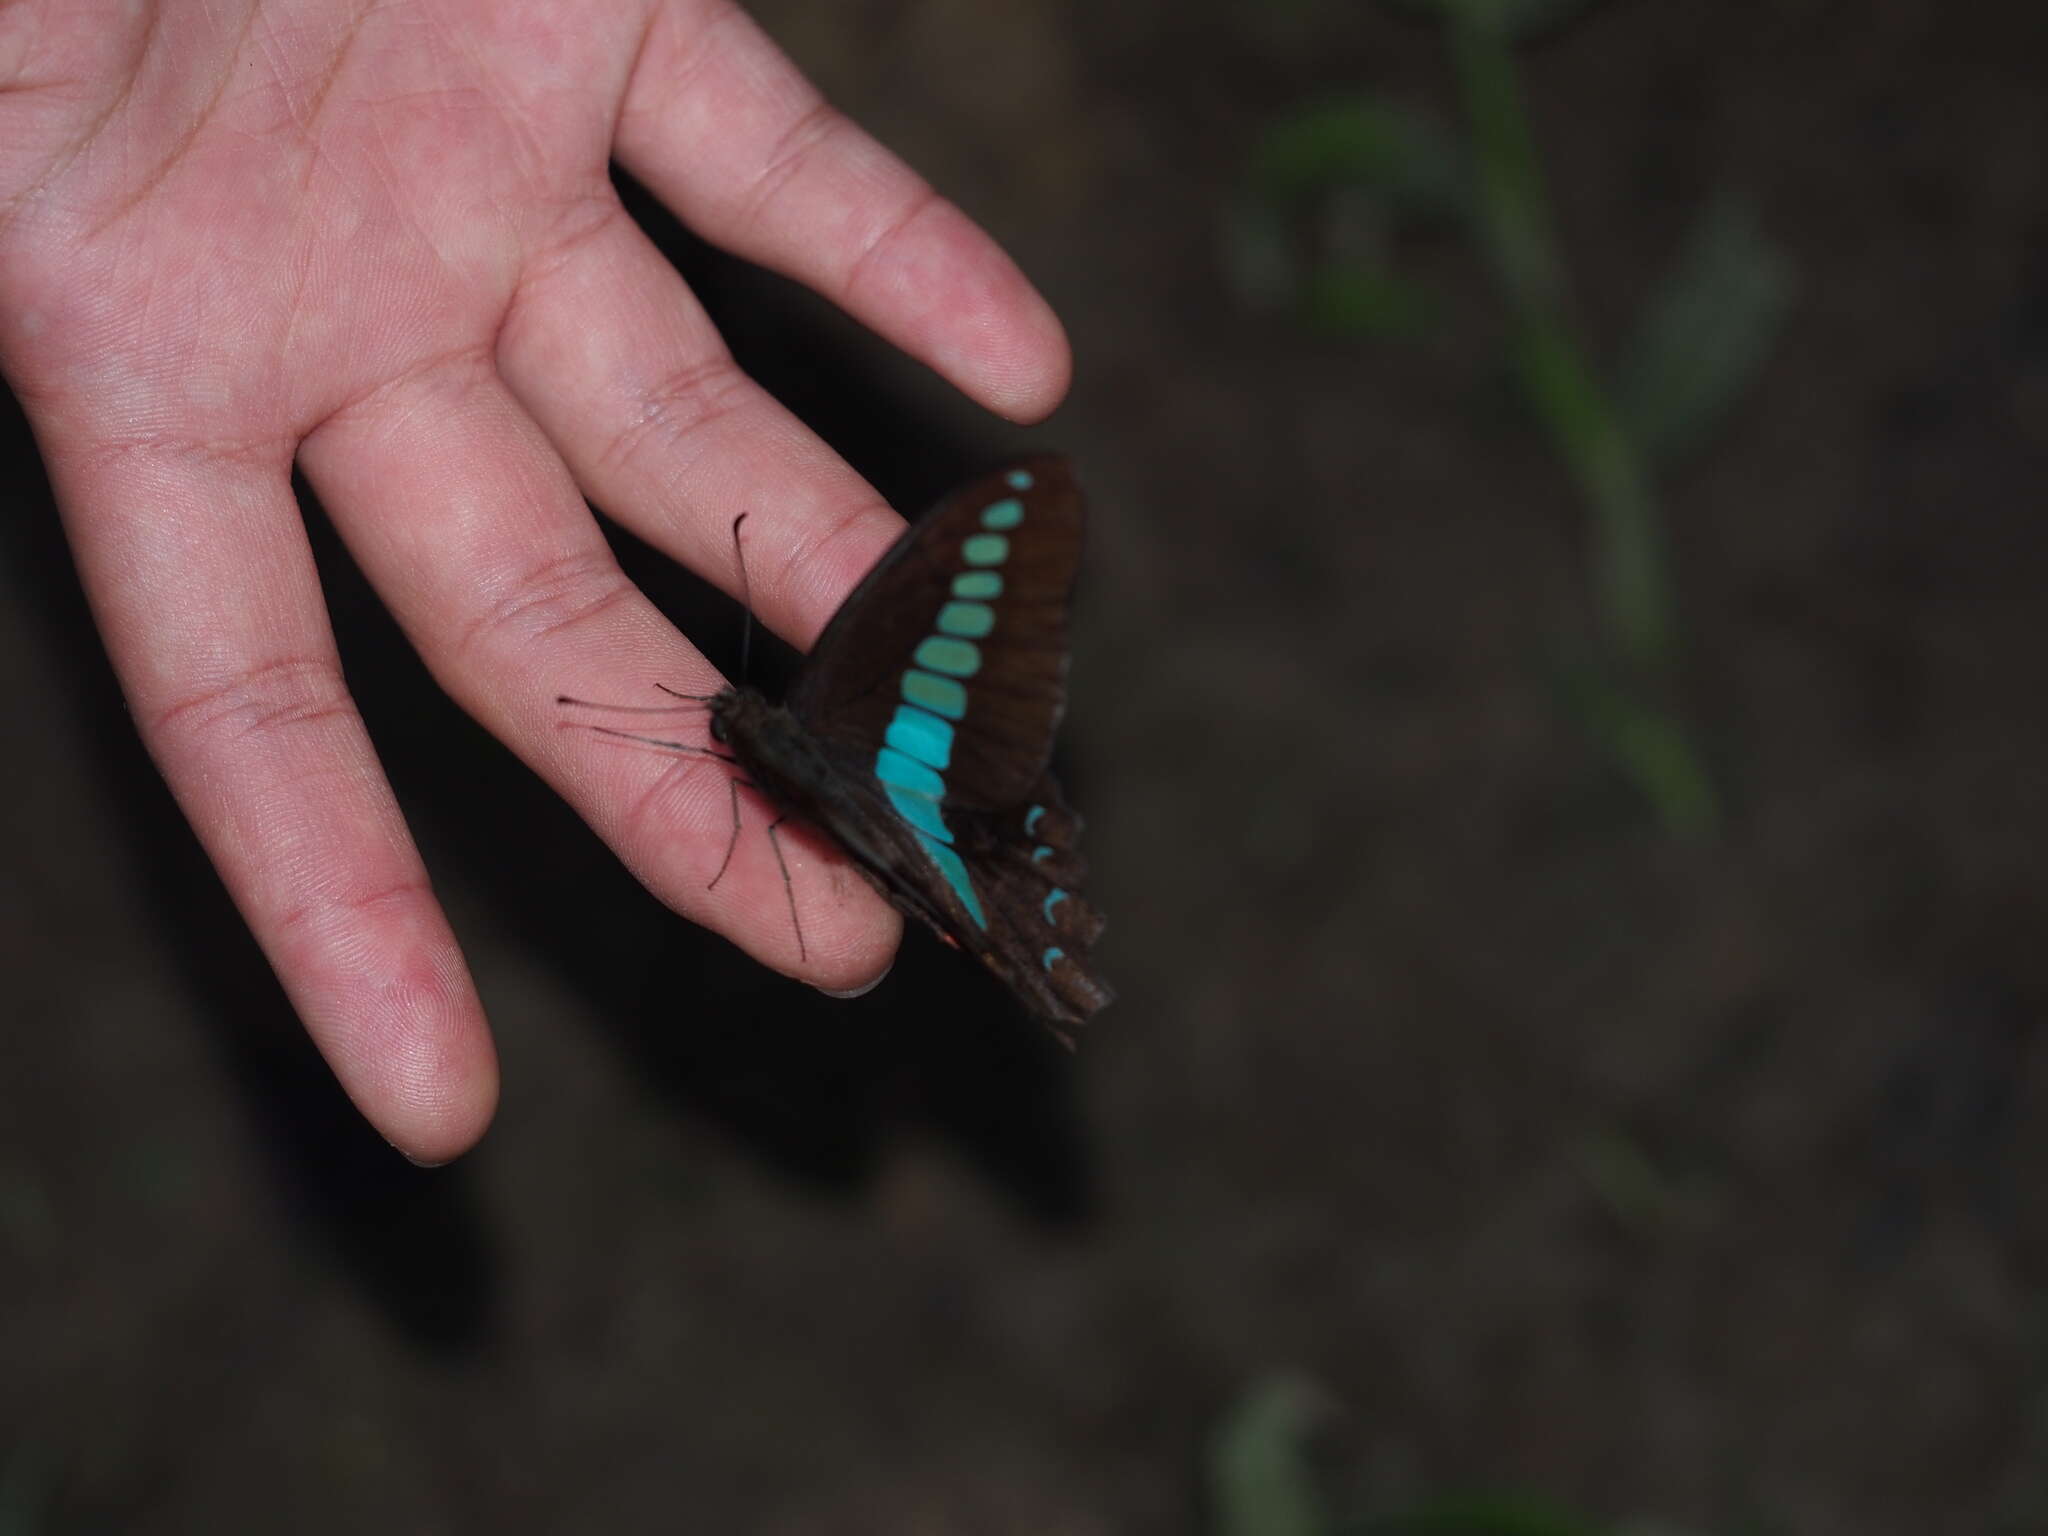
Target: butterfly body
(920, 731)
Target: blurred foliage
(28, 1226)
(1332, 186)
(1263, 1483)
(1400, 154)
(1705, 334)
(24, 1480)
(1627, 1181)
(1329, 189)
(1647, 741)
(1483, 1515)
(1517, 19)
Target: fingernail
(861, 991)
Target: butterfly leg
(774, 842)
(788, 890)
(732, 842)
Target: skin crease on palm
(380, 242)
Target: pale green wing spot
(957, 658)
(1031, 819)
(1053, 954)
(919, 742)
(940, 695)
(985, 549)
(971, 620)
(1052, 901)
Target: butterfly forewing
(973, 599)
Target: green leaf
(1485, 1515)
(1259, 260)
(1359, 141)
(1705, 333)
(28, 1227)
(24, 1491)
(1626, 1180)
(1511, 19)
(1327, 189)
(1351, 300)
(1260, 1478)
(1650, 746)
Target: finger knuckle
(684, 405)
(560, 593)
(272, 698)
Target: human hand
(381, 242)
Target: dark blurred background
(1559, 709)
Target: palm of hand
(383, 244)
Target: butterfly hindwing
(1041, 927)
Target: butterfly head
(738, 712)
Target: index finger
(726, 130)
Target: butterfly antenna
(746, 599)
(685, 701)
(685, 748)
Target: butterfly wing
(1041, 927)
(937, 689)
(964, 621)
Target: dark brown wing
(1040, 925)
(1028, 919)
(933, 696)
(975, 595)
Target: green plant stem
(1633, 588)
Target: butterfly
(919, 733)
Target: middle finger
(468, 524)
(615, 358)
